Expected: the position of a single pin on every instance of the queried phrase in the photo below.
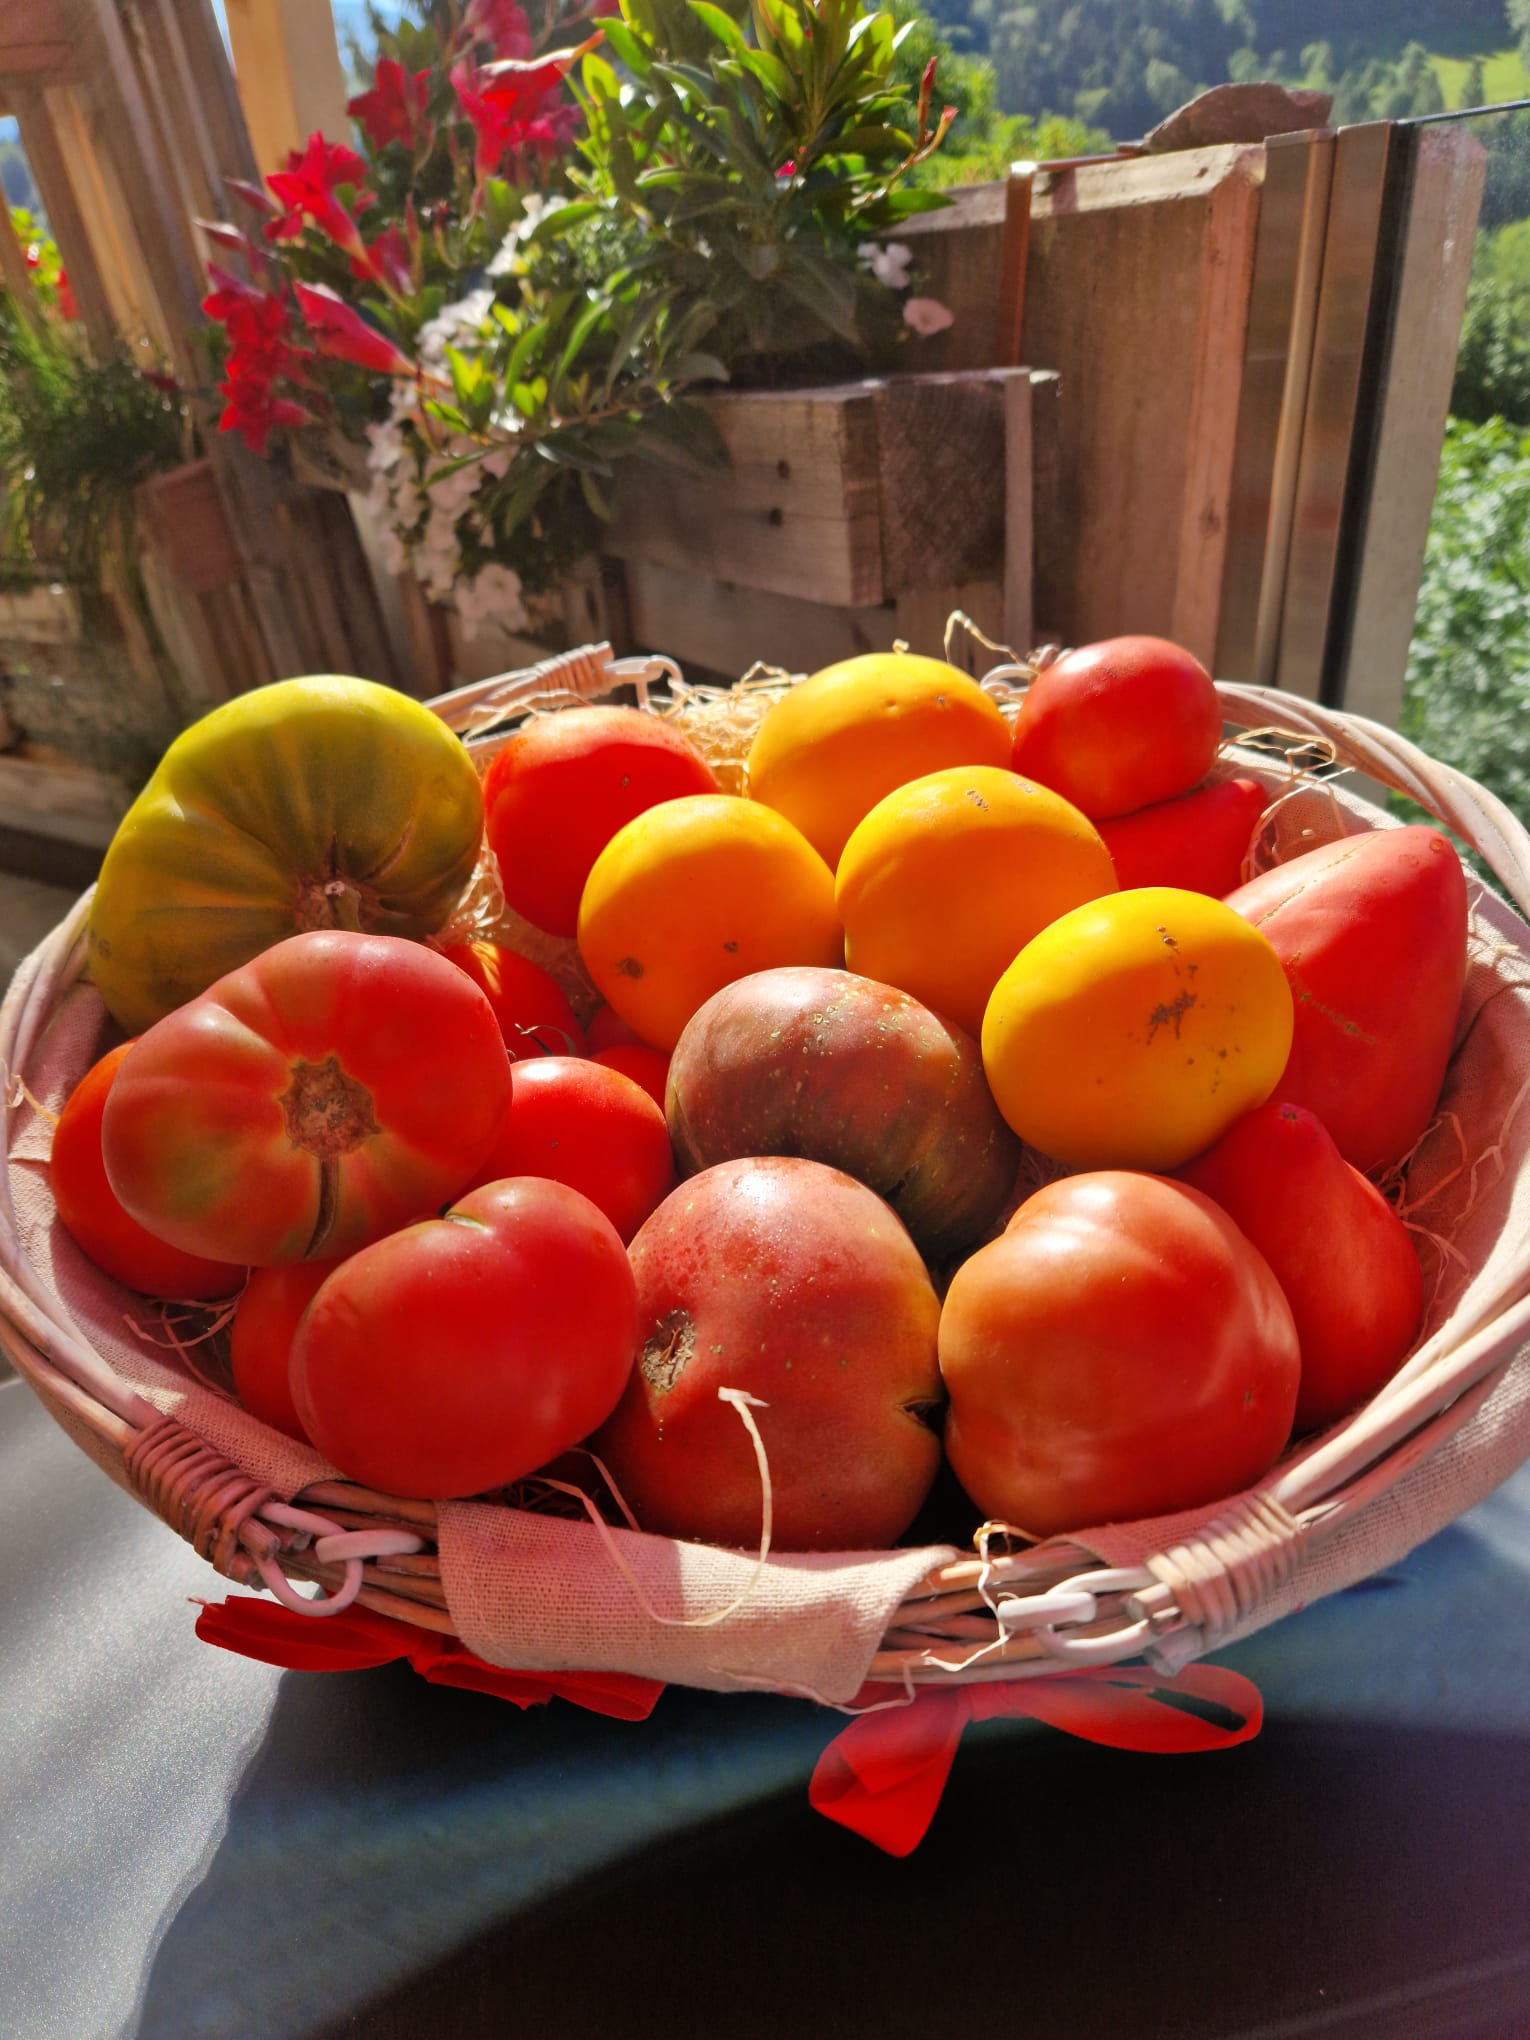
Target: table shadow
(407, 1862)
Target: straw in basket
(480, 1583)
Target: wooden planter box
(849, 516)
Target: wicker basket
(529, 1590)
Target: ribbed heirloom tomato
(334, 1088)
(1121, 1351)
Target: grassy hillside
(1503, 74)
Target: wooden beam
(49, 163)
(162, 229)
(287, 63)
(795, 511)
(13, 267)
(1435, 264)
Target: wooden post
(13, 266)
(1435, 263)
(66, 220)
(287, 63)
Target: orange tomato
(1134, 1031)
(694, 894)
(840, 741)
(948, 878)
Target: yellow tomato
(695, 893)
(1132, 1032)
(948, 878)
(831, 749)
(323, 802)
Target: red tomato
(1334, 1244)
(607, 1029)
(590, 1127)
(562, 787)
(534, 1016)
(260, 1340)
(1371, 931)
(648, 1067)
(323, 1094)
(1121, 1351)
(1196, 843)
(92, 1213)
(1118, 725)
(463, 1353)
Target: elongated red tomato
(336, 1087)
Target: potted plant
(551, 246)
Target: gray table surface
(194, 1845)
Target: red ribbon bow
(357, 1640)
(884, 1774)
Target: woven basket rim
(1003, 1613)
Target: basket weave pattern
(538, 1592)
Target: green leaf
(629, 49)
(584, 326)
(598, 79)
(525, 351)
(773, 75)
(447, 414)
(723, 26)
(598, 502)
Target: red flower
(502, 24)
(66, 303)
(395, 108)
(387, 262)
(307, 189)
(345, 336)
(223, 234)
(259, 326)
(506, 104)
(253, 195)
(254, 412)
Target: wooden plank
(1019, 534)
(41, 616)
(724, 627)
(13, 268)
(1137, 290)
(185, 144)
(287, 64)
(36, 61)
(1051, 506)
(1436, 262)
(1277, 362)
(922, 615)
(70, 802)
(940, 471)
(796, 512)
(1321, 500)
(110, 223)
(26, 22)
(159, 220)
(36, 123)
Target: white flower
(491, 601)
(927, 315)
(534, 209)
(888, 263)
